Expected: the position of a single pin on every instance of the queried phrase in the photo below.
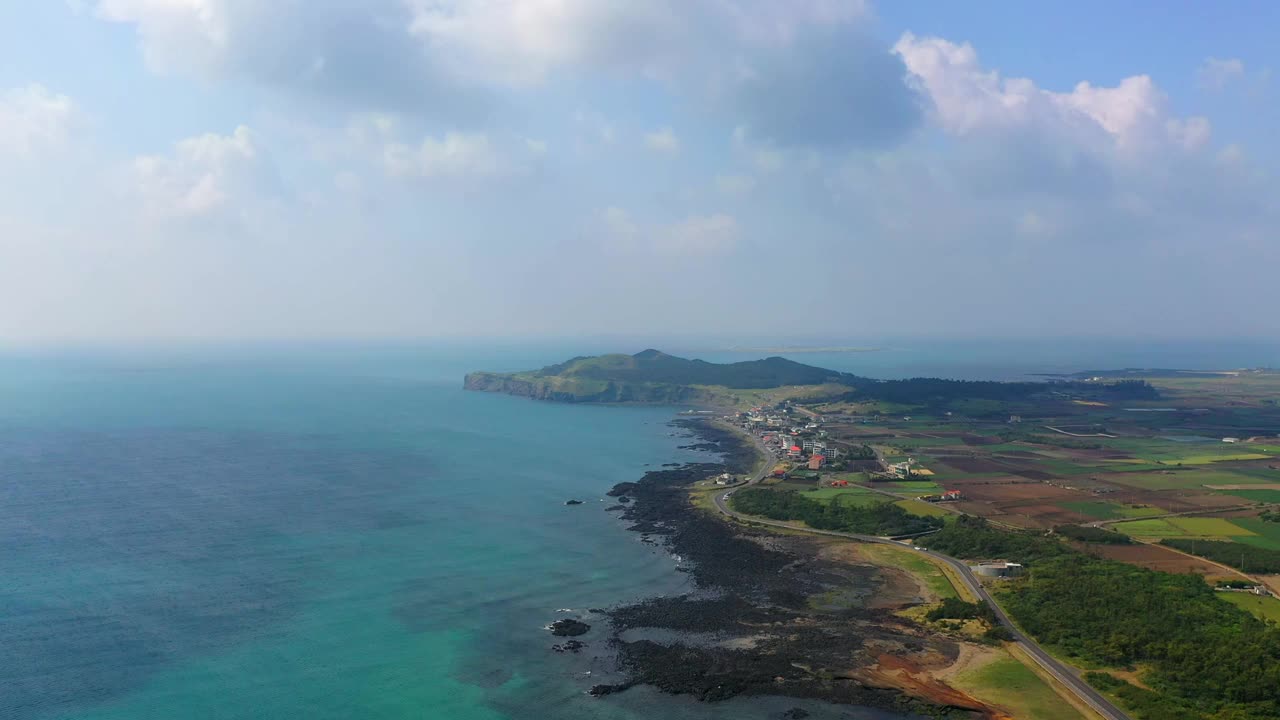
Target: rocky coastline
(754, 626)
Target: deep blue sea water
(335, 532)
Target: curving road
(1061, 672)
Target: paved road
(1063, 674)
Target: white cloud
(663, 141)
(735, 184)
(968, 98)
(456, 155)
(1216, 73)
(204, 174)
(33, 118)
(187, 33)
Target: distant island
(652, 376)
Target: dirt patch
(1156, 557)
(1259, 486)
(1034, 474)
(1021, 491)
(913, 678)
(974, 465)
(971, 439)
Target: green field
(1268, 496)
(1012, 685)
(1181, 479)
(1266, 534)
(826, 493)
(919, 507)
(916, 564)
(1207, 527)
(918, 487)
(1149, 528)
(1100, 510)
(1267, 608)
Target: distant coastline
(800, 350)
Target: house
(724, 479)
(816, 462)
(998, 569)
(952, 495)
(794, 451)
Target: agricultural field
(1159, 557)
(1264, 534)
(1101, 510)
(919, 507)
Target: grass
(1266, 608)
(826, 493)
(938, 582)
(1016, 688)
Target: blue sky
(227, 169)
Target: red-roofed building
(817, 461)
(794, 451)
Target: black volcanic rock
(568, 627)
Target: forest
(1204, 657)
(884, 519)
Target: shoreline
(755, 598)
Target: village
(795, 437)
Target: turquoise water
(314, 534)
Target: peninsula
(652, 376)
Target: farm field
(1101, 510)
(919, 507)
(1158, 557)
(1266, 608)
(1149, 528)
(1179, 479)
(1265, 534)
(1208, 527)
(1263, 495)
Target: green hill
(652, 376)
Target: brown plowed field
(1155, 557)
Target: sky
(238, 169)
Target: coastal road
(1059, 671)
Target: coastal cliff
(582, 390)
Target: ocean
(328, 532)
(332, 533)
